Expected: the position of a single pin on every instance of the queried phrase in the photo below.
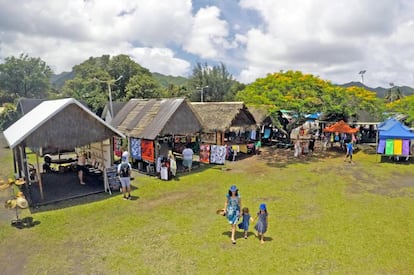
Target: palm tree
(393, 93)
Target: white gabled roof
(31, 121)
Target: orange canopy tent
(340, 127)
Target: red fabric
(147, 150)
(340, 127)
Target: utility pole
(109, 83)
(202, 92)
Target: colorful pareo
(233, 209)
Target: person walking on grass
(124, 172)
(232, 208)
(262, 222)
(188, 158)
(244, 225)
(349, 151)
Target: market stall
(52, 127)
(154, 127)
(394, 139)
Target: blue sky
(334, 40)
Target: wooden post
(39, 177)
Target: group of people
(233, 211)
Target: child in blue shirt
(244, 225)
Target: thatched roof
(62, 123)
(224, 116)
(261, 115)
(149, 118)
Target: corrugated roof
(149, 118)
(40, 115)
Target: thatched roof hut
(152, 118)
(261, 115)
(224, 116)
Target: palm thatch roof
(149, 118)
(63, 123)
(224, 116)
(261, 115)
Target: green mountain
(58, 80)
(381, 92)
(166, 80)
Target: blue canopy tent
(394, 139)
(389, 123)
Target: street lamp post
(202, 92)
(109, 82)
(362, 75)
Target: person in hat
(262, 222)
(232, 208)
(124, 172)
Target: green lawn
(325, 216)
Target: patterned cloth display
(117, 146)
(136, 148)
(217, 154)
(394, 147)
(205, 153)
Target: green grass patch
(325, 216)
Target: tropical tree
(393, 93)
(304, 94)
(8, 116)
(142, 86)
(404, 106)
(93, 76)
(216, 83)
(25, 76)
(173, 90)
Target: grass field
(326, 216)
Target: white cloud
(66, 33)
(332, 39)
(208, 34)
(160, 60)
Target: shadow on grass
(397, 161)
(26, 222)
(65, 203)
(240, 235)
